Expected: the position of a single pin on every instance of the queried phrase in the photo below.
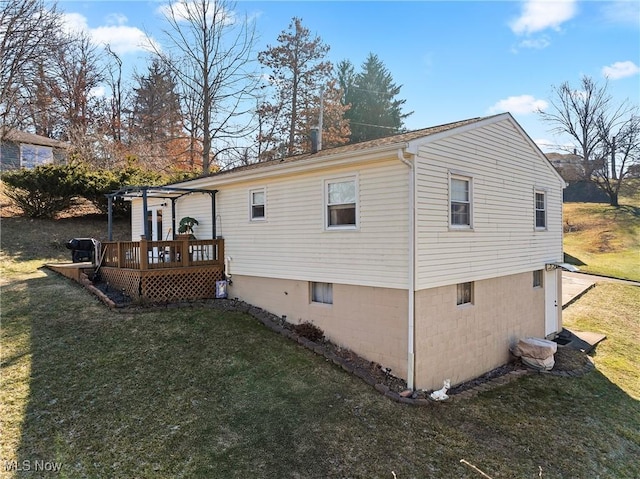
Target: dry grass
(612, 309)
(605, 240)
(193, 392)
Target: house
(19, 149)
(429, 252)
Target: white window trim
(455, 175)
(325, 203)
(262, 190)
(543, 192)
(321, 303)
(472, 299)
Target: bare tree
(28, 36)
(77, 72)
(115, 84)
(619, 153)
(583, 114)
(209, 50)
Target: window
(322, 293)
(341, 203)
(537, 278)
(257, 199)
(35, 155)
(464, 293)
(460, 195)
(541, 210)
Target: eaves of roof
(366, 147)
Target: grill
(83, 249)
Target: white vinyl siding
(196, 205)
(295, 244)
(505, 169)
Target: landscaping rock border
(371, 373)
(415, 398)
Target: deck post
(144, 254)
(110, 217)
(121, 254)
(185, 255)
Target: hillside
(604, 240)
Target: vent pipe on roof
(315, 132)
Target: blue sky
(455, 59)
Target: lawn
(194, 392)
(604, 240)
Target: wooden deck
(163, 271)
(157, 271)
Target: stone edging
(276, 324)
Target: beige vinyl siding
(506, 171)
(293, 243)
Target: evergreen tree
(156, 124)
(375, 112)
(299, 75)
(156, 109)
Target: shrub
(100, 182)
(45, 191)
(310, 331)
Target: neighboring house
(19, 149)
(429, 252)
(570, 167)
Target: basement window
(464, 293)
(537, 278)
(322, 293)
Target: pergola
(162, 192)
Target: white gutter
(411, 280)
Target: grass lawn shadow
(196, 392)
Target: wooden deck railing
(146, 255)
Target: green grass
(605, 240)
(612, 309)
(195, 392)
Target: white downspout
(411, 257)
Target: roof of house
(18, 136)
(362, 146)
(386, 143)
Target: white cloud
(121, 38)
(520, 105)
(74, 23)
(538, 15)
(116, 19)
(535, 43)
(98, 92)
(619, 70)
(181, 10)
